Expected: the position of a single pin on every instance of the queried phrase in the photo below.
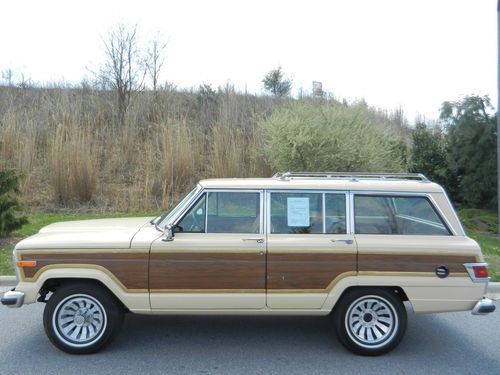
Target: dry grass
(68, 145)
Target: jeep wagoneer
(353, 246)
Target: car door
(217, 258)
(310, 247)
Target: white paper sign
(298, 212)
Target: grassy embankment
(480, 225)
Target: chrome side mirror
(169, 233)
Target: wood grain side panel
(236, 271)
(306, 271)
(130, 269)
(411, 263)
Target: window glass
(233, 212)
(396, 215)
(335, 217)
(296, 213)
(194, 220)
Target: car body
(353, 246)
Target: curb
(7, 280)
(493, 291)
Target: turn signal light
(26, 263)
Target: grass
(480, 225)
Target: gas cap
(442, 271)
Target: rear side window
(397, 215)
(308, 213)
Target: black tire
(370, 321)
(82, 310)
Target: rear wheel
(370, 321)
(82, 318)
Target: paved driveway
(453, 343)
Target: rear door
(310, 247)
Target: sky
(393, 53)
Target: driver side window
(226, 212)
(194, 220)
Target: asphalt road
(455, 343)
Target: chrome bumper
(483, 307)
(13, 299)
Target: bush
(321, 136)
(9, 187)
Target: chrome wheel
(79, 320)
(371, 321)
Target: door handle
(258, 240)
(349, 242)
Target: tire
(370, 321)
(81, 318)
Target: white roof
(308, 183)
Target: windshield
(165, 217)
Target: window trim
(207, 191)
(426, 196)
(323, 192)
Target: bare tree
(8, 76)
(123, 70)
(154, 59)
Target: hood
(86, 234)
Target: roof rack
(354, 176)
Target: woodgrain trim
(306, 271)
(243, 272)
(411, 263)
(208, 271)
(131, 269)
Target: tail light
(478, 272)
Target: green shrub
(321, 136)
(9, 187)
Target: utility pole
(498, 115)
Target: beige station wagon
(353, 246)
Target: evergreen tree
(276, 84)
(9, 205)
(471, 149)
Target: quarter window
(396, 215)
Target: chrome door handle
(349, 242)
(258, 240)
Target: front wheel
(82, 318)
(370, 321)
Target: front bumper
(483, 307)
(13, 299)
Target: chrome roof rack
(354, 176)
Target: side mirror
(169, 233)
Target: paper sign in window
(298, 212)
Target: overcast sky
(413, 54)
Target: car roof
(307, 183)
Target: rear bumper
(483, 307)
(13, 299)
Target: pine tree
(9, 205)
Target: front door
(309, 247)
(217, 259)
